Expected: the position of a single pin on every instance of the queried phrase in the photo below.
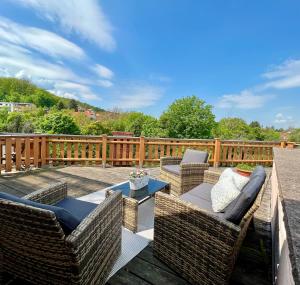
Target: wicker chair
(195, 243)
(34, 247)
(189, 175)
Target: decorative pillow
(237, 209)
(194, 156)
(227, 189)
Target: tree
(14, 123)
(73, 105)
(189, 117)
(58, 123)
(269, 134)
(152, 128)
(295, 135)
(95, 128)
(232, 129)
(60, 105)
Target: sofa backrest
(236, 210)
(194, 156)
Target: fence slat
(8, 152)
(27, 153)
(18, 154)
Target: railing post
(217, 152)
(290, 145)
(283, 144)
(104, 147)
(142, 151)
(43, 151)
(8, 161)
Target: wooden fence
(21, 152)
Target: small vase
(138, 183)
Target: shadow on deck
(253, 265)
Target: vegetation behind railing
(22, 151)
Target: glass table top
(142, 194)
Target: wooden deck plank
(124, 277)
(152, 273)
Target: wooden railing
(21, 152)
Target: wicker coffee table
(132, 199)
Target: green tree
(256, 131)
(295, 135)
(189, 117)
(269, 134)
(73, 105)
(60, 105)
(15, 122)
(152, 128)
(232, 129)
(3, 119)
(95, 128)
(58, 123)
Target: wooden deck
(253, 265)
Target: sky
(242, 57)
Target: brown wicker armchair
(185, 178)
(200, 246)
(34, 247)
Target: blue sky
(243, 57)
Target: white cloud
(17, 59)
(103, 71)
(38, 39)
(104, 83)
(84, 17)
(160, 77)
(283, 76)
(135, 96)
(282, 119)
(244, 100)
(77, 90)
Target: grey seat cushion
(235, 211)
(194, 156)
(200, 197)
(175, 169)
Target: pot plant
(138, 179)
(244, 169)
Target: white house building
(16, 107)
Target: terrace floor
(253, 265)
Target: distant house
(90, 114)
(16, 107)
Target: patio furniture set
(50, 238)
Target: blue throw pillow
(67, 221)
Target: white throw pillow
(227, 189)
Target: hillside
(20, 90)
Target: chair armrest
(50, 194)
(211, 176)
(169, 160)
(98, 237)
(192, 168)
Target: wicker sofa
(34, 247)
(198, 244)
(184, 174)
